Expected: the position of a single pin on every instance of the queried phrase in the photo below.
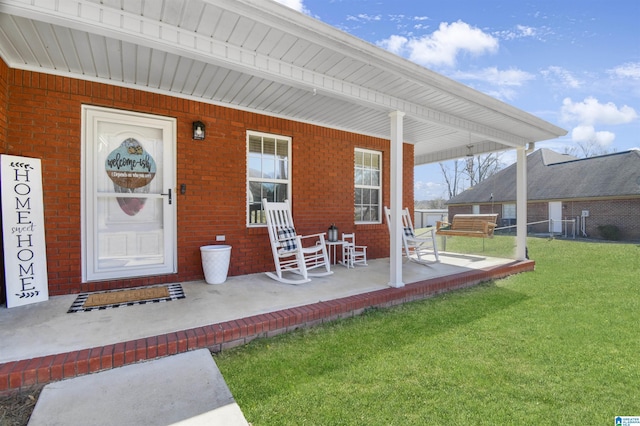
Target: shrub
(609, 232)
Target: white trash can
(215, 263)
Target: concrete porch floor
(42, 343)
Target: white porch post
(521, 204)
(395, 248)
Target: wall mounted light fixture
(198, 130)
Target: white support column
(521, 204)
(395, 248)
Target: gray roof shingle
(554, 176)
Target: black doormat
(102, 300)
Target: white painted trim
(395, 245)
(521, 204)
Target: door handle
(169, 194)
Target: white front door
(129, 202)
(555, 217)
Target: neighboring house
(596, 192)
(222, 103)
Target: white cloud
(563, 76)
(494, 82)
(294, 4)
(428, 190)
(520, 31)
(524, 31)
(592, 112)
(363, 17)
(394, 44)
(443, 45)
(587, 134)
(510, 77)
(628, 70)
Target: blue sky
(574, 63)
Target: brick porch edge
(26, 373)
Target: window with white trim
(268, 173)
(508, 211)
(368, 186)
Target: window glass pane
(255, 203)
(255, 166)
(269, 145)
(375, 178)
(374, 215)
(367, 214)
(283, 149)
(358, 196)
(359, 177)
(359, 158)
(367, 177)
(268, 191)
(366, 199)
(280, 192)
(255, 144)
(282, 170)
(367, 159)
(375, 162)
(509, 211)
(374, 197)
(268, 168)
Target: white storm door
(128, 205)
(555, 217)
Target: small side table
(331, 245)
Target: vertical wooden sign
(25, 255)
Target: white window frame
(269, 180)
(509, 211)
(368, 186)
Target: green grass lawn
(560, 345)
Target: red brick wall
(44, 119)
(537, 212)
(623, 213)
(4, 99)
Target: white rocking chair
(289, 255)
(415, 246)
(352, 254)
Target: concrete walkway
(184, 389)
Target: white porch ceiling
(260, 56)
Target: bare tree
(480, 167)
(586, 149)
(471, 170)
(452, 177)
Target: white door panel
(555, 217)
(128, 204)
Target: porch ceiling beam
(125, 26)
